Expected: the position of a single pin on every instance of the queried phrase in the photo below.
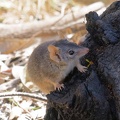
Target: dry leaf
(3, 67)
(40, 113)
(25, 104)
(17, 71)
(15, 112)
(25, 117)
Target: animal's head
(64, 51)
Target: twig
(31, 95)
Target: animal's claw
(59, 86)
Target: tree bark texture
(94, 95)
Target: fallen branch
(28, 30)
(31, 95)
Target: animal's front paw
(59, 86)
(82, 68)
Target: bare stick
(31, 95)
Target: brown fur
(48, 65)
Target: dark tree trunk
(94, 95)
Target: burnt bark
(93, 95)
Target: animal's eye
(71, 52)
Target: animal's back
(38, 61)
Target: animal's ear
(54, 53)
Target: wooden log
(94, 95)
